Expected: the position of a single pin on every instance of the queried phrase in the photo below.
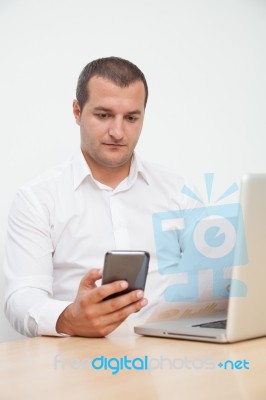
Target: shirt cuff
(48, 316)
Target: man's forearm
(63, 324)
(33, 313)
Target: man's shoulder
(155, 171)
(171, 184)
(50, 175)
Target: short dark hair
(117, 70)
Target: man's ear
(76, 111)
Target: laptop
(245, 317)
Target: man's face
(110, 122)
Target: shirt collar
(81, 169)
(136, 169)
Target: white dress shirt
(61, 225)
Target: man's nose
(116, 129)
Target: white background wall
(204, 61)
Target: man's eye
(131, 118)
(102, 115)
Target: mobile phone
(131, 266)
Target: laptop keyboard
(215, 324)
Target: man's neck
(111, 176)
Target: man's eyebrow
(109, 110)
(102, 109)
(134, 112)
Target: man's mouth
(114, 144)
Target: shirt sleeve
(28, 268)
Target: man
(62, 223)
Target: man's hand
(89, 316)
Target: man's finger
(88, 280)
(103, 291)
(112, 320)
